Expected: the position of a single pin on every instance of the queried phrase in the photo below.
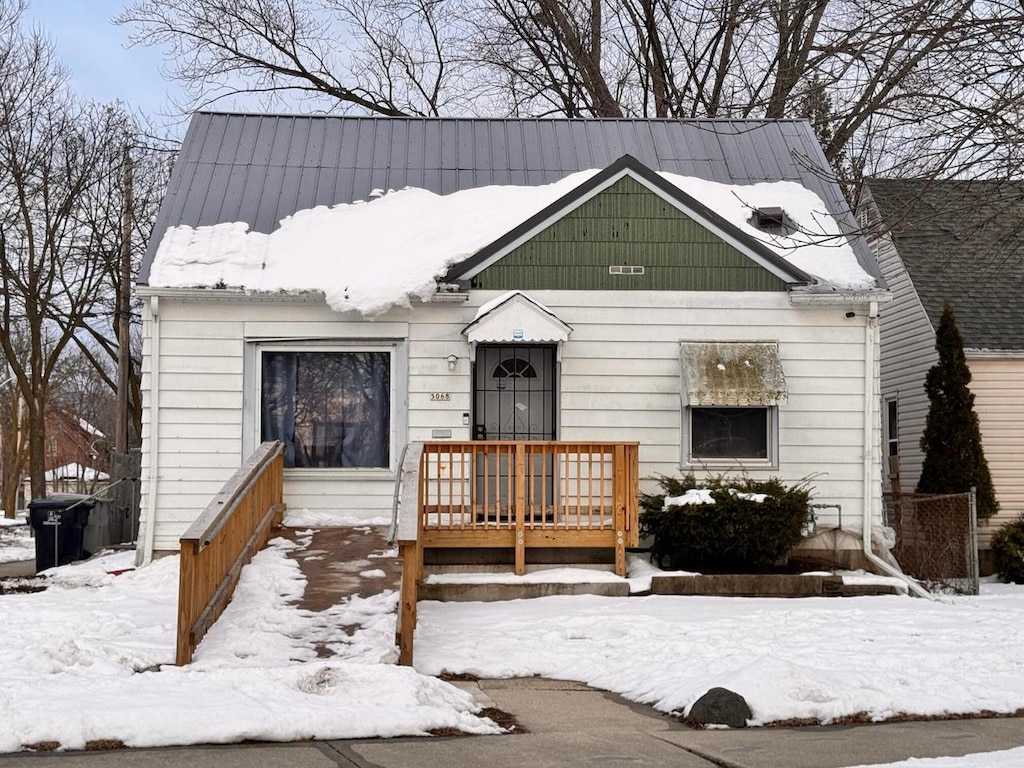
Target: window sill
(728, 465)
(339, 473)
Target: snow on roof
(371, 256)
(85, 425)
(815, 243)
(75, 471)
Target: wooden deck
(515, 496)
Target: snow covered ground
(89, 658)
(16, 543)
(1010, 758)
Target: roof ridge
(470, 118)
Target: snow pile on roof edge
(368, 257)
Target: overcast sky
(96, 52)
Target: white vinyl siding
(618, 379)
(200, 440)
(206, 426)
(907, 351)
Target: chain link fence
(936, 539)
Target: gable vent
(626, 270)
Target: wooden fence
(233, 528)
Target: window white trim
(397, 349)
(689, 461)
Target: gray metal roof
(262, 168)
(962, 242)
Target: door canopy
(515, 318)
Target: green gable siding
(627, 225)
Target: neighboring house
(77, 456)
(683, 284)
(961, 242)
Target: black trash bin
(58, 522)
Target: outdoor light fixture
(452, 361)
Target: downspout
(870, 377)
(146, 556)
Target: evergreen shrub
(1008, 551)
(954, 459)
(735, 534)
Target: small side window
(892, 441)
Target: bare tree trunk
(56, 156)
(798, 25)
(12, 448)
(36, 449)
(729, 25)
(586, 58)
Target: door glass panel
(515, 393)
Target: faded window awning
(733, 373)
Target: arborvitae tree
(954, 460)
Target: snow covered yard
(16, 542)
(89, 658)
(818, 659)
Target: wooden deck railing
(233, 528)
(516, 495)
(529, 494)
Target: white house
(685, 284)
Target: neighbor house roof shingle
(962, 242)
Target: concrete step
(765, 585)
(490, 584)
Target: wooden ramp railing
(516, 495)
(233, 528)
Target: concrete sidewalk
(567, 724)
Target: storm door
(515, 393)
(514, 399)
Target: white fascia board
(231, 294)
(837, 298)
